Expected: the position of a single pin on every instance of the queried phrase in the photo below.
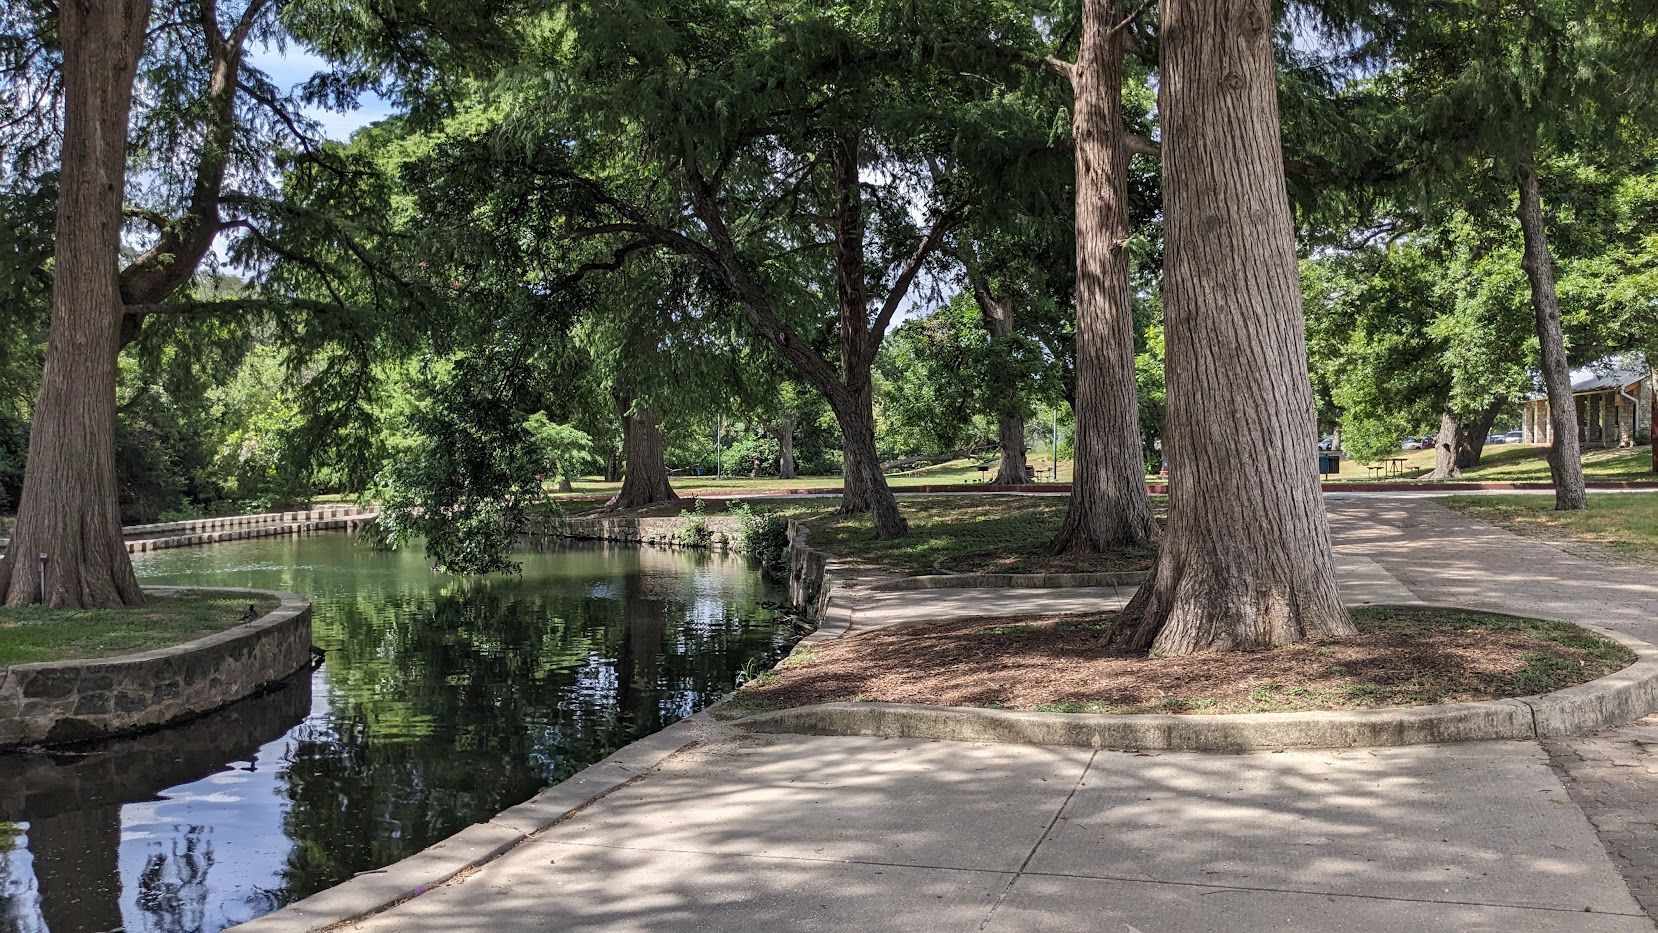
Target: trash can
(1329, 463)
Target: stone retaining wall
(723, 530)
(254, 521)
(197, 531)
(60, 702)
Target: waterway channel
(442, 700)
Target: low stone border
(63, 702)
(661, 531)
(198, 531)
(374, 891)
(1620, 697)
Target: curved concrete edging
(1620, 697)
(958, 581)
(63, 702)
(375, 891)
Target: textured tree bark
(645, 478)
(1013, 468)
(1246, 559)
(68, 512)
(997, 314)
(1565, 450)
(1109, 507)
(865, 486)
(564, 484)
(1473, 439)
(784, 432)
(1447, 447)
(171, 263)
(1652, 412)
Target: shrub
(763, 536)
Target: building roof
(1616, 379)
(1610, 380)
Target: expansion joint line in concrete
(475, 867)
(1020, 871)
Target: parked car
(1496, 438)
(1327, 442)
(1411, 443)
(1514, 437)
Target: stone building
(1613, 410)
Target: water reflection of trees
(72, 803)
(449, 705)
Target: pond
(442, 701)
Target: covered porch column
(1582, 403)
(1626, 422)
(1528, 423)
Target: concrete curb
(957, 581)
(382, 889)
(1617, 698)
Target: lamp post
(1055, 467)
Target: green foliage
(763, 535)
(468, 481)
(567, 452)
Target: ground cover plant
(1402, 656)
(1625, 522)
(35, 633)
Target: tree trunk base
(1179, 612)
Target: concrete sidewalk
(749, 832)
(804, 833)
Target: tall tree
(1246, 559)
(1492, 92)
(1109, 507)
(66, 548)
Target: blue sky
(294, 66)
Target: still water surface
(442, 701)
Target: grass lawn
(948, 533)
(1625, 522)
(1401, 657)
(1504, 463)
(955, 471)
(961, 534)
(34, 633)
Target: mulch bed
(1402, 657)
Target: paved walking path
(745, 832)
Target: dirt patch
(1402, 657)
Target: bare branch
(1142, 145)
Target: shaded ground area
(1402, 657)
(1512, 463)
(763, 833)
(34, 633)
(1623, 523)
(964, 470)
(969, 533)
(964, 534)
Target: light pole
(1056, 446)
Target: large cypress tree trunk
(1447, 447)
(1473, 439)
(1565, 451)
(1246, 558)
(865, 487)
(1011, 469)
(68, 512)
(1109, 507)
(784, 432)
(645, 478)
